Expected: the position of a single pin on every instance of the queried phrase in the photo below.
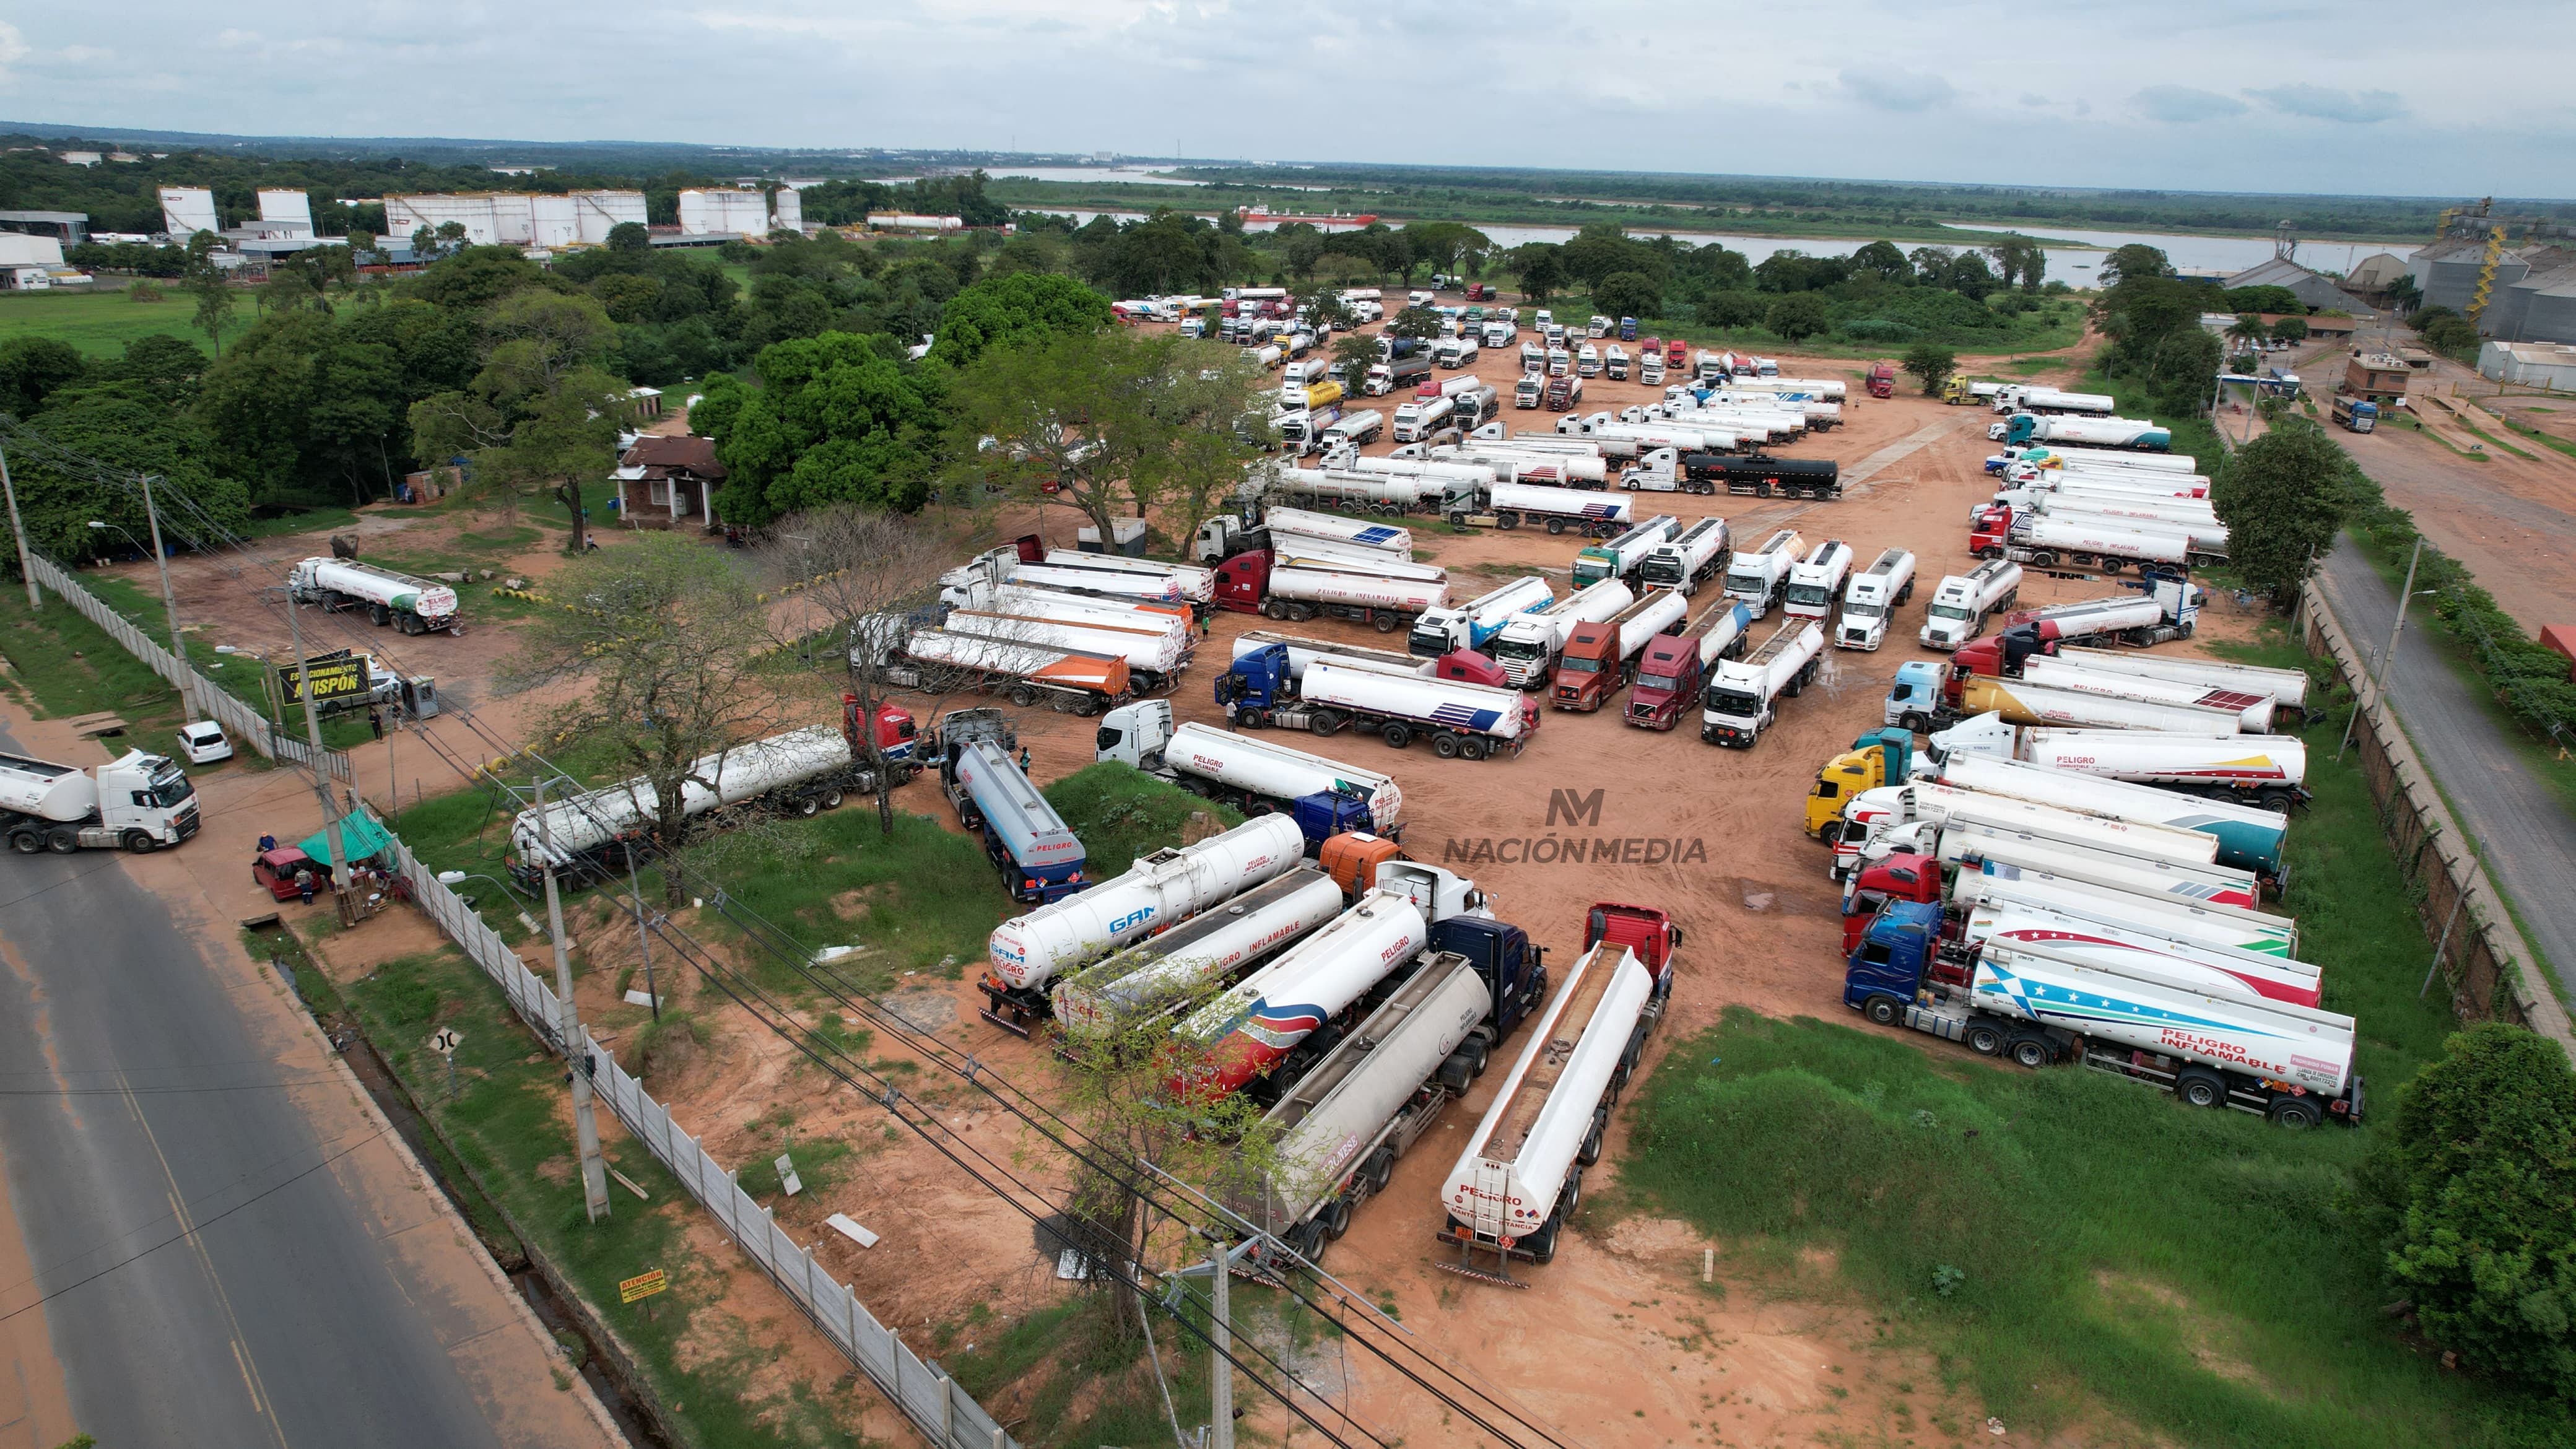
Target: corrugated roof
(696, 455)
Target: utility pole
(594, 1168)
(2379, 680)
(320, 762)
(17, 530)
(170, 602)
(1221, 1343)
(643, 937)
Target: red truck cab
(1882, 379)
(1676, 355)
(1668, 682)
(1644, 930)
(1588, 669)
(1243, 581)
(1469, 667)
(1990, 531)
(1899, 877)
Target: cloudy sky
(2292, 95)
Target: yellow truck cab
(1880, 757)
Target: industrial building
(71, 228)
(31, 263)
(518, 218)
(2550, 365)
(729, 212)
(2515, 277)
(2315, 289)
(186, 211)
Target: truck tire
(1307, 1241)
(1397, 736)
(1087, 706)
(380, 615)
(1471, 748)
(2033, 1053)
(1445, 745)
(1251, 719)
(62, 840)
(1590, 1152)
(1541, 1246)
(1882, 1009)
(138, 842)
(1378, 1169)
(805, 806)
(1275, 609)
(1023, 696)
(1555, 526)
(2200, 1087)
(1323, 723)
(1384, 622)
(27, 842)
(1990, 552)
(1455, 1073)
(2278, 801)
(2045, 558)
(833, 797)
(2296, 1113)
(1797, 683)
(1337, 1219)
(1985, 1039)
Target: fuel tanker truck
(138, 802)
(1253, 774)
(2292, 1064)
(416, 606)
(2269, 771)
(2135, 947)
(1270, 1029)
(1155, 654)
(1029, 952)
(1022, 672)
(1521, 1175)
(2247, 837)
(1160, 973)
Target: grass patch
(1121, 813)
(2545, 439)
(2196, 1279)
(102, 323)
(921, 900)
(508, 1134)
(61, 665)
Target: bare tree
(670, 637)
(846, 579)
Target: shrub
(142, 292)
(2473, 1199)
(1731, 309)
(1796, 317)
(1879, 329)
(1931, 365)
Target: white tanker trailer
(417, 606)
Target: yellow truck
(1879, 757)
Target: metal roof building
(71, 228)
(2530, 364)
(2313, 288)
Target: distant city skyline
(2363, 97)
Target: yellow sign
(332, 679)
(643, 1285)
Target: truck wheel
(1555, 526)
(1323, 722)
(1337, 1219)
(805, 805)
(2044, 559)
(1378, 1168)
(1590, 1152)
(2295, 1113)
(1023, 696)
(2033, 1053)
(1985, 1041)
(2110, 566)
(2199, 1087)
(1990, 552)
(28, 842)
(2276, 800)
(1396, 736)
(1276, 609)
(832, 798)
(1916, 723)
(1455, 1073)
(1881, 1009)
(1542, 1246)
(1307, 1239)
(140, 843)
(1087, 706)
(1384, 622)
(62, 840)
(1250, 719)
(380, 615)
(1471, 749)
(1445, 745)
(1797, 683)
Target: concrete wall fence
(2482, 958)
(944, 1413)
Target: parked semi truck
(1303, 533)
(1344, 489)
(2163, 610)
(1964, 847)
(1527, 645)
(2237, 928)
(1871, 600)
(1462, 721)
(1963, 602)
(1513, 464)
(1303, 651)
(2045, 542)
(1760, 576)
(1252, 774)
(415, 606)
(2264, 770)
(1521, 1174)
(2022, 397)
(1385, 596)
(1816, 581)
(1165, 972)
(2292, 1064)
(2047, 671)
(2287, 687)
(1689, 558)
(1761, 476)
(2352, 414)
(1265, 684)
(1172, 621)
(1878, 757)
(2062, 526)
(2248, 837)
(137, 802)
(1155, 655)
(1744, 695)
(1473, 625)
(1909, 818)
(1926, 696)
(1025, 673)
(1039, 858)
(1620, 558)
(1673, 666)
(1599, 660)
(1029, 952)
(1267, 1031)
(1509, 505)
(800, 771)
(2133, 433)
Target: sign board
(642, 1285)
(331, 679)
(446, 1040)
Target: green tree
(1012, 309)
(1730, 310)
(1354, 356)
(2404, 295)
(1884, 261)
(630, 237)
(2293, 330)
(2282, 497)
(2472, 1198)
(668, 638)
(128, 436)
(542, 413)
(1628, 294)
(1303, 251)
(1930, 364)
(33, 369)
(1541, 271)
(1797, 316)
(2020, 261)
(206, 282)
(1420, 323)
(839, 418)
(2136, 260)
(1447, 246)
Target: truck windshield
(1428, 642)
(1658, 683)
(1504, 646)
(1809, 594)
(1852, 609)
(171, 788)
(1572, 665)
(1947, 611)
(1732, 703)
(1746, 584)
(1663, 569)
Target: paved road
(2528, 838)
(313, 1305)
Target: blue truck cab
(1893, 953)
(1914, 700)
(1514, 970)
(1259, 680)
(1039, 857)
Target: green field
(2067, 1244)
(101, 323)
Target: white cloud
(2181, 105)
(1888, 88)
(2325, 103)
(13, 46)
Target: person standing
(304, 885)
(376, 722)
